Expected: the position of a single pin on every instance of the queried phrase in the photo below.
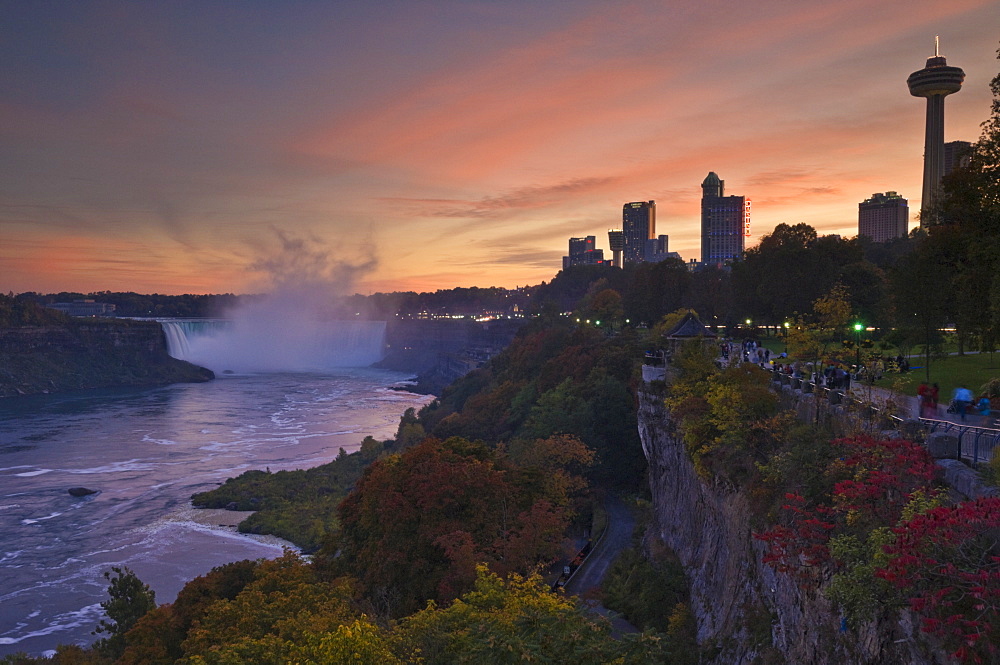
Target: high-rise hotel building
(582, 252)
(725, 222)
(883, 217)
(638, 225)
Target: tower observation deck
(935, 81)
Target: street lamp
(787, 326)
(858, 327)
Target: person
(924, 399)
(962, 398)
(983, 406)
(935, 396)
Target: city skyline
(222, 148)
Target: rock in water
(81, 491)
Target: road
(589, 576)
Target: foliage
(135, 304)
(874, 480)
(946, 563)
(556, 379)
(299, 506)
(645, 592)
(284, 603)
(418, 522)
(129, 601)
(793, 267)
(66, 654)
(514, 621)
(17, 312)
(730, 419)
(157, 637)
(890, 542)
(964, 241)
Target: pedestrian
(924, 400)
(983, 406)
(962, 397)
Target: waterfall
(275, 345)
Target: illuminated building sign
(746, 218)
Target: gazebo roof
(690, 327)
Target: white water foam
(85, 616)
(275, 336)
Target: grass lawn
(971, 370)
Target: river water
(147, 451)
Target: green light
(859, 327)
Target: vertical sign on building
(746, 218)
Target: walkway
(588, 577)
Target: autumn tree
(157, 637)
(284, 604)
(418, 522)
(517, 620)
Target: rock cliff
(88, 353)
(747, 612)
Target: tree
(517, 620)
(418, 522)
(969, 231)
(285, 602)
(129, 601)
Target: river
(146, 452)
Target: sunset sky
(204, 147)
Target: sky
(220, 147)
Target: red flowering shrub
(882, 475)
(803, 544)
(946, 563)
(877, 479)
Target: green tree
(969, 234)
(129, 601)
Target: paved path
(589, 576)
(910, 406)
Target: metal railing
(976, 444)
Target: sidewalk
(910, 406)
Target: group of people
(962, 402)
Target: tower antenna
(937, 51)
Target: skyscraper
(658, 249)
(956, 155)
(639, 225)
(883, 217)
(582, 252)
(935, 82)
(725, 221)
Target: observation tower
(616, 238)
(935, 81)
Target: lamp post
(858, 327)
(787, 326)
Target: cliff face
(88, 353)
(746, 610)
